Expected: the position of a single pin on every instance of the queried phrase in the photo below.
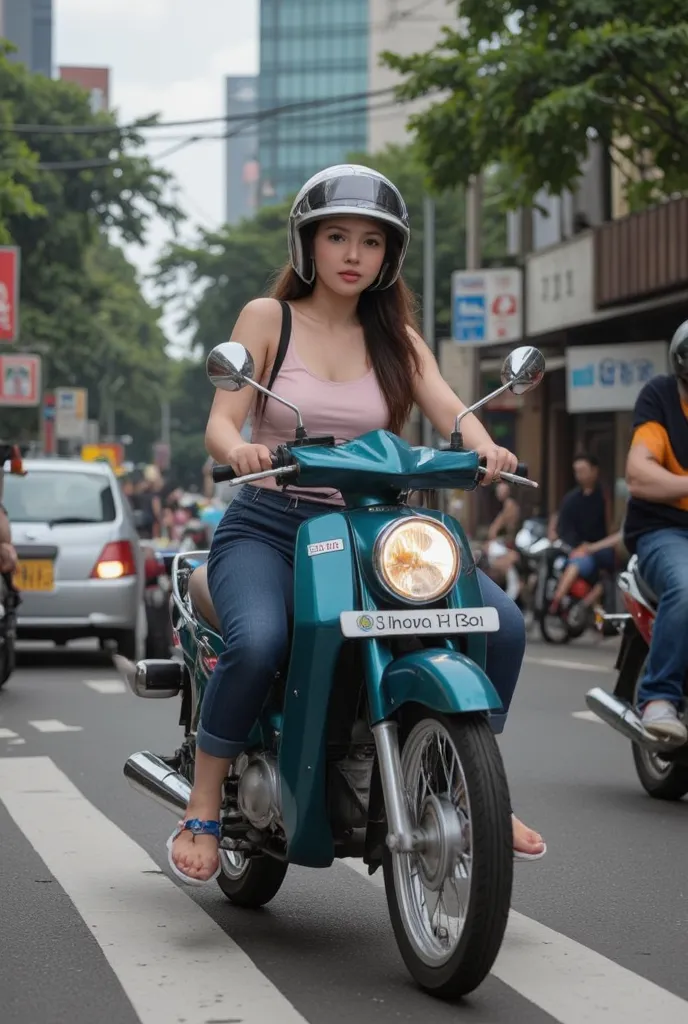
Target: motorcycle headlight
(417, 559)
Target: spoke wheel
(449, 900)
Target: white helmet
(349, 190)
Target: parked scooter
(375, 742)
(661, 767)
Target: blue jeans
(663, 564)
(251, 580)
(590, 566)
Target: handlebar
(223, 474)
(520, 477)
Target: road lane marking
(579, 666)
(173, 962)
(106, 686)
(587, 716)
(54, 725)
(7, 734)
(569, 981)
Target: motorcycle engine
(258, 791)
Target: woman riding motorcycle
(337, 339)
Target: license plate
(423, 622)
(35, 574)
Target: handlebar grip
(221, 474)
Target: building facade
(315, 54)
(241, 156)
(29, 25)
(96, 82)
(310, 52)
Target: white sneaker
(661, 720)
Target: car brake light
(116, 560)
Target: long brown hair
(385, 318)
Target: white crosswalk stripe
(569, 981)
(53, 725)
(136, 915)
(106, 686)
(139, 916)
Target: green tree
(65, 196)
(529, 86)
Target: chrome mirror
(230, 366)
(523, 369)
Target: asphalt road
(94, 931)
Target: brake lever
(511, 478)
(282, 471)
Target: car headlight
(417, 559)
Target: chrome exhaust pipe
(624, 719)
(150, 775)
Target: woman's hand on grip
(496, 460)
(249, 458)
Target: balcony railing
(642, 255)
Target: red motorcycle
(662, 768)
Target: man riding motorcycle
(656, 528)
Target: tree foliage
(529, 85)
(65, 197)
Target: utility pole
(474, 259)
(428, 293)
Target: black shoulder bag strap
(284, 339)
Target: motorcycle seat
(200, 597)
(644, 588)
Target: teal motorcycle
(375, 741)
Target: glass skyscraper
(310, 50)
(29, 25)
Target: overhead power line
(315, 119)
(138, 126)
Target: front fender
(440, 679)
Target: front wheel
(250, 881)
(449, 902)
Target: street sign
(9, 293)
(114, 453)
(71, 408)
(20, 380)
(487, 307)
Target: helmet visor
(357, 191)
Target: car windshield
(64, 496)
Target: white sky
(168, 57)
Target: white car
(81, 568)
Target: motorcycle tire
(558, 636)
(456, 972)
(8, 662)
(662, 780)
(252, 884)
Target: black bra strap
(285, 338)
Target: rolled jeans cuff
(215, 746)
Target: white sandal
(197, 828)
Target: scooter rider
(656, 528)
(336, 339)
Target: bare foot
(525, 840)
(197, 856)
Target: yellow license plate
(35, 574)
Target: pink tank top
(344, 409)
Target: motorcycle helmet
(348, 190)
(678, 352)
